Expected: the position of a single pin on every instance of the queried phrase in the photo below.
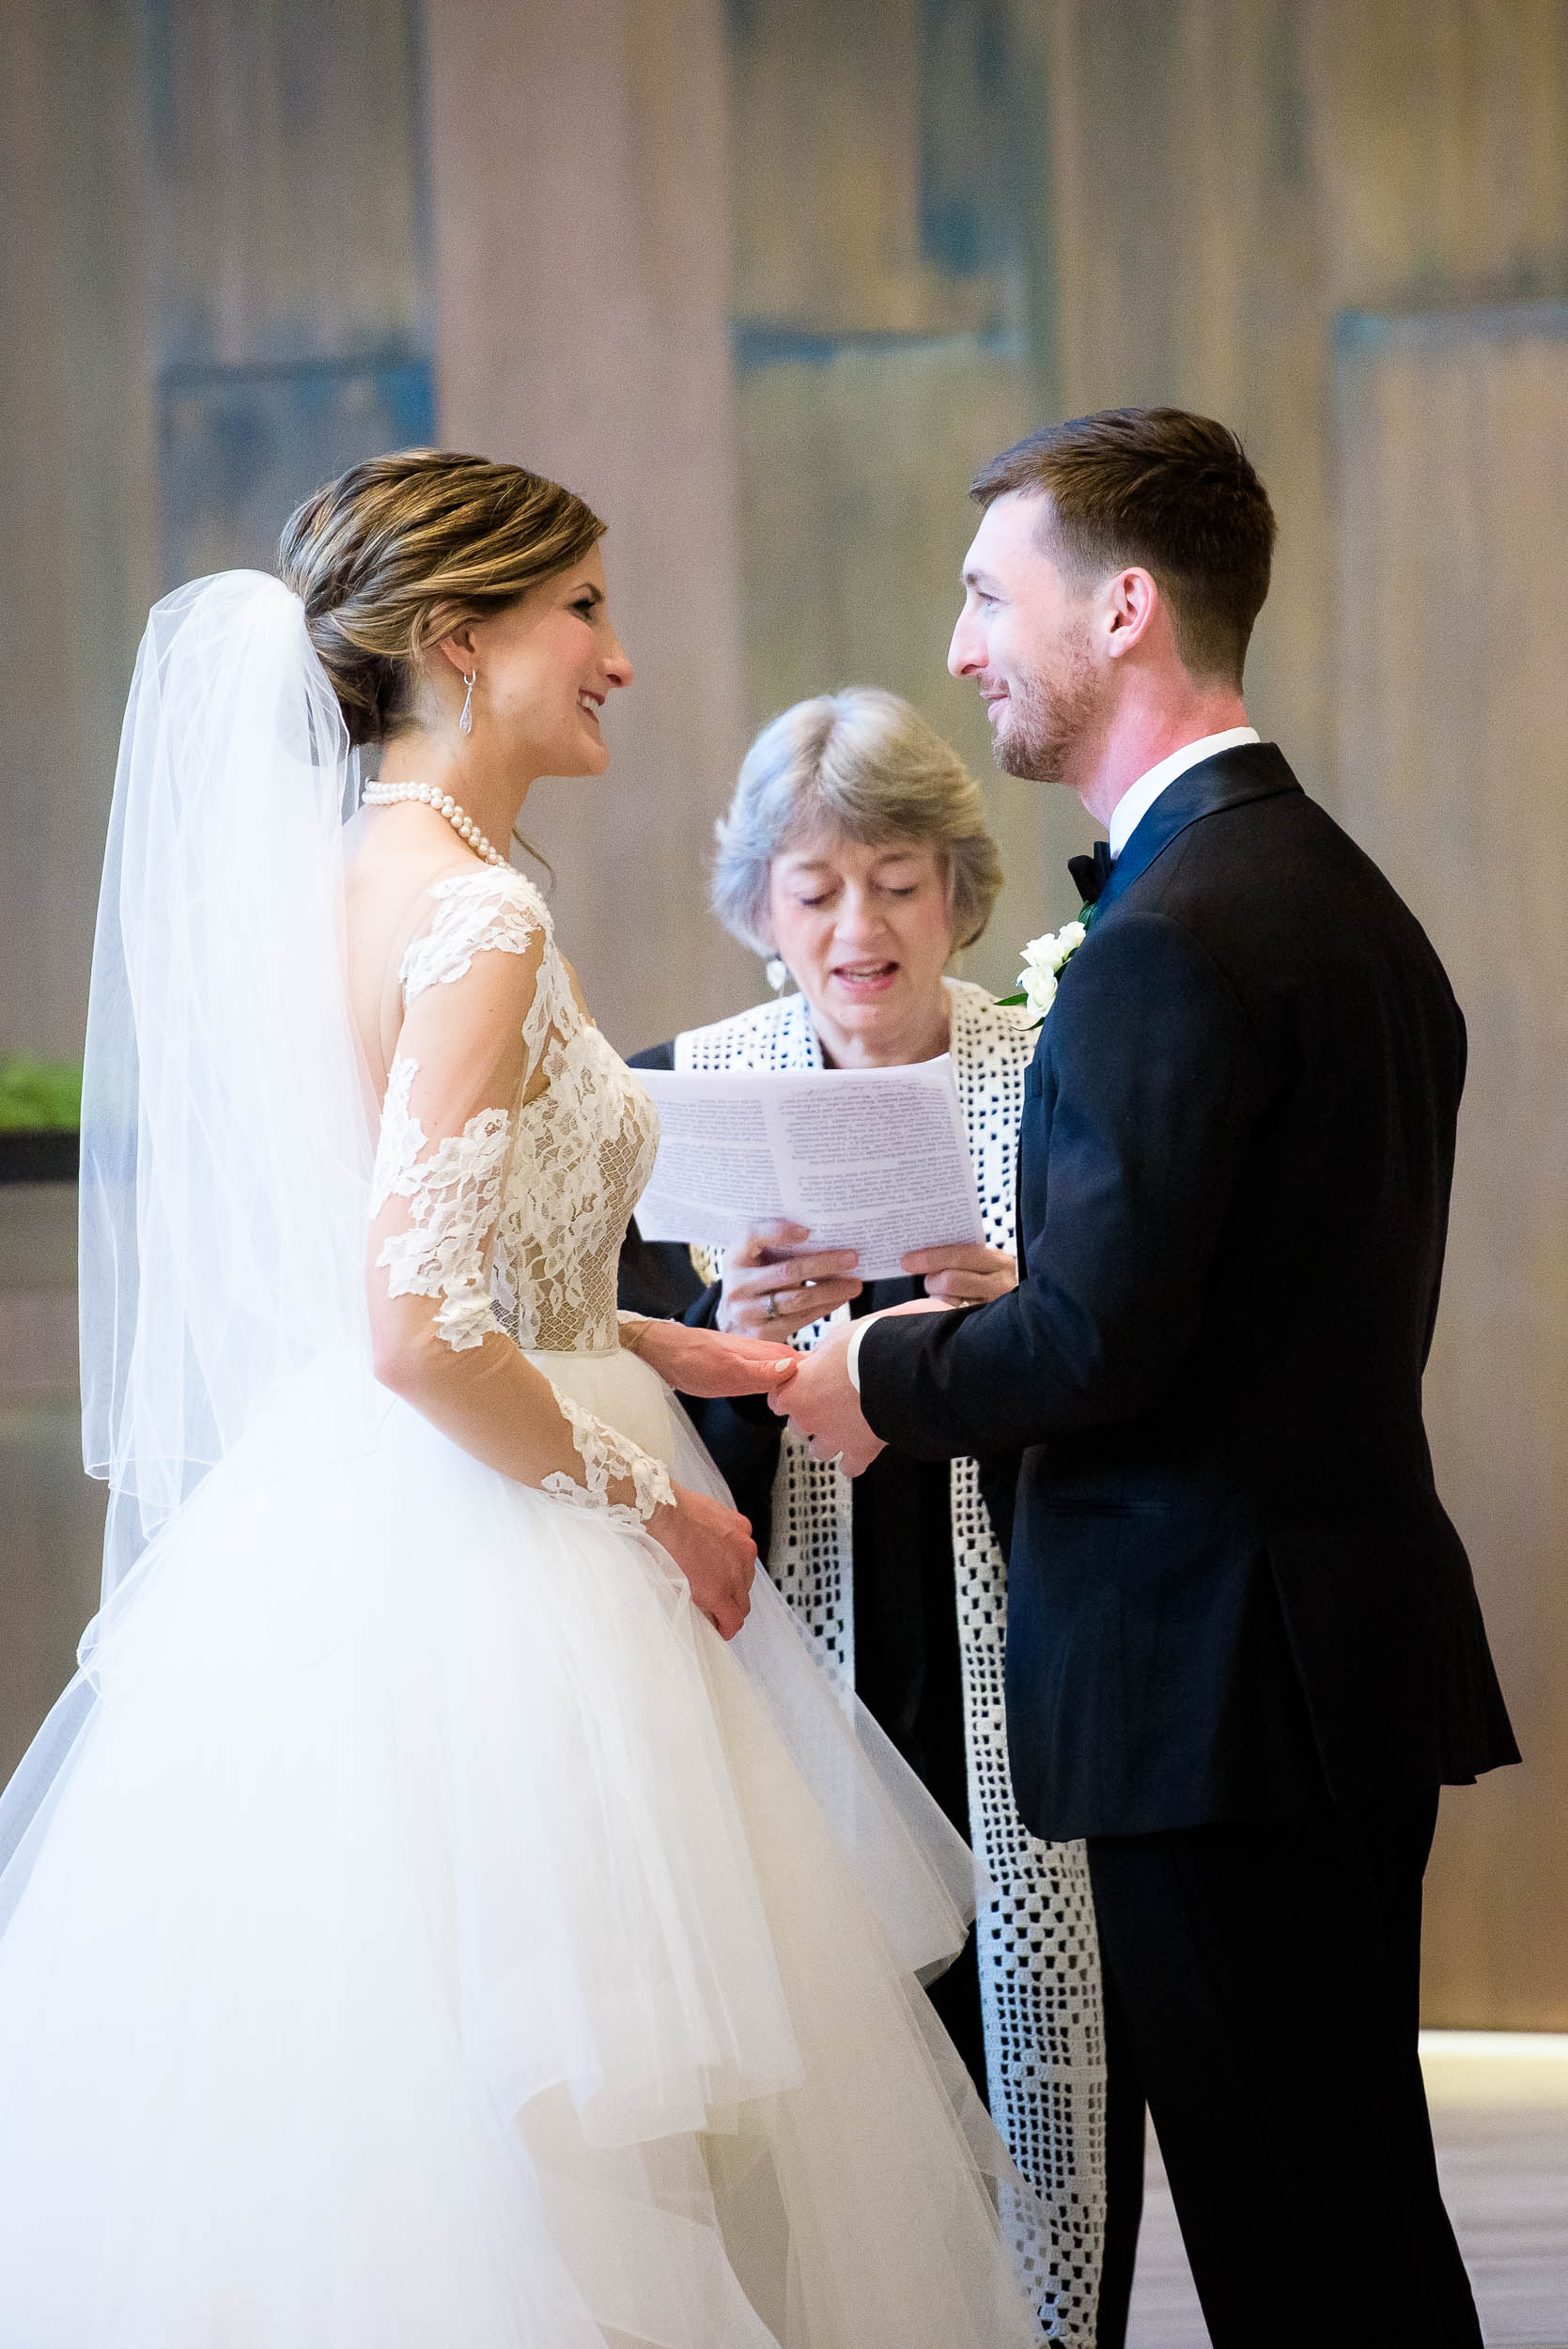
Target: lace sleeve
(608, 1457)
(483, 992)
(452, 1189)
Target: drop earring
(465, 724)
(778, 971)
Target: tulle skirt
(442, 1939)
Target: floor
(1499, 2115)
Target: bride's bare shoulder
(415, 913)
(386, 902)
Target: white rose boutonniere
(1043, 961)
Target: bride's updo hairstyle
(398, 553)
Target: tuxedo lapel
(1033, 1086)
(1253, 770)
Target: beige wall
(1231, 179)
(581, 259)
(78, 513)
(766, 281)
(1451, 508)
(881, 176)
(1196, 200)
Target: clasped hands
(769, 1293)
(769, 1285)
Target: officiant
(856, 857)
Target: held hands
(713, 1548)
(818, 1400)
(710, 1361)
(821, 1403)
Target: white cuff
(852, 1351)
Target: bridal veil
(227, 1134)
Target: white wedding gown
(441, 1938)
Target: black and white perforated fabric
(1036, 1938)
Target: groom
(1243, 1648)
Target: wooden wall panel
(288, 178)
(78, 513)
(1237, 191)
(1190, 270)
(854, 526)
(1454, 747)
(1441, 146)
(885, 160)
(838, 162)
(582, 237)
(53, 1516)
(290, 259)
(183, 182)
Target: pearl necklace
(388, 795)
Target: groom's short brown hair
(1173, 492)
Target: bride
(448, 1909)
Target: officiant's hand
(769, 1293)
(821, 1403)
(709, 1361)
(968, 1274)
(713, 1548)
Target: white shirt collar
(1136, 802)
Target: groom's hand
(821, 1403)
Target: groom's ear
(1133, 606)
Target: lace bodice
(514, 1219)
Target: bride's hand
(711, 1361)
(713, 1548)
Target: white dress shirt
(1128, 814)
(1136, 802)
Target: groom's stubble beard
(1051, 711)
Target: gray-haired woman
(856, 856)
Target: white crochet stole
(1036, 1943)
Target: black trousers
(1262, 1989)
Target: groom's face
(1025, 638)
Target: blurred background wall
(766, 281)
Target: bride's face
(547, 665)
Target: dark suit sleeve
(1154, 1081)
(1461, 1064)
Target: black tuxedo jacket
(1233, 1590)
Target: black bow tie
(1091, 873)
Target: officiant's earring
(465, 724)
(777, 973)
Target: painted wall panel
(1452, 506)
(582, 246)
(1227, 180)
(884, 350)
(78, 513)
(239, 446)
